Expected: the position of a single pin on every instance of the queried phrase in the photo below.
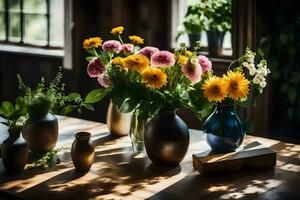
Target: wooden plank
(254, 155)
(118, 173)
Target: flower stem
(233, 62)
(119, 36)
(95, 52)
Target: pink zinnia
(111, 45)
(126, 48)
(162, 59)
(192, 71)
(104, 80)
(95, 68)
(205, 63)
(148, 51)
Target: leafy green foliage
(44, 99)
(219, 16)
(47, 160)
(15, 115)
(199, 104)
(207, 15)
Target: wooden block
(253, 155)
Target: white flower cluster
(260, 72)
(249, 62)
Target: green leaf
(89, 58)
(67, 109)
(7, 108)
(128, 105)
(74, 97)
(89, 107)
(95, 95)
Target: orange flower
(94, 42)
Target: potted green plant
(42, 103)
(194, 23)
(14, 150)
(218, 13)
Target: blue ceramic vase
(225, 130)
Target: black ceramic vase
(166, 139)
(225, 130)
(14, 152)
(41, 134)
(215, 43)
(193, 38)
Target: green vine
(49, 159)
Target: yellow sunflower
(92, 43)
(136, 62)
(154, 78)
(136, 39)
(214, 89)
(182, 59)
(118, 61)
(117, 30)
(237, 86)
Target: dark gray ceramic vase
(225, 130)
(41, 134)
(166, 139)
(14, 153)
(215, 43)
(193, 38)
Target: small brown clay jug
(14, 152)
(82, 152)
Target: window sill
(34, 51)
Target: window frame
(21, 43)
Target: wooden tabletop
(119, 174)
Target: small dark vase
(166, 139)
(41, 134)
(215, 43)
(193, 38)
(14, 152)
(82, 152)
(225, 130)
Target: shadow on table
(116, 172)
(280, 182)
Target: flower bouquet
(146, 80)
(225, 130)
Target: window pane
(57, 23)
(14, 27)
(37, 6)
(2, 27)
(35, 29)
(2, 5)
(14, 5)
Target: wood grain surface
(118, 173)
